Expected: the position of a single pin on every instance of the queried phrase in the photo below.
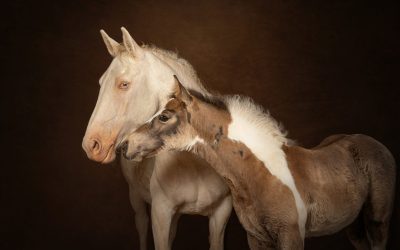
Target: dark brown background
(319, 67)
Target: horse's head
(169, 128)
(130, 93)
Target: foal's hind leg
(377, 219)
(379, 207)
(357, 235)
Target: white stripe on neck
(263, 136)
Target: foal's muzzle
(123, 149)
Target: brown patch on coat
(335, 182)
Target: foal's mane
(254, 115)
(215, 100)
(258, 117)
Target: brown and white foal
(281, 192)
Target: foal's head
(169, 128)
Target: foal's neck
(242, 171)
(210, 119)
(209, 116)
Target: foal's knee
(290, 238)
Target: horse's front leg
(217, 223)
(174, 225)
(162, 217)
(141, 217)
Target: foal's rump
(339, 177)
(375, 160)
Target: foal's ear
(112, 46)
(130, 45)
(180, 92)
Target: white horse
(133, 88)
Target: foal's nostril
(124, 150)
(124, 147)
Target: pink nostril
(95, 146)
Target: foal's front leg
(162, 217)
(289, 238)
(256, 244)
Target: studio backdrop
(319, 67)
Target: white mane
(260, 121)
(263, 135)
(182, 66)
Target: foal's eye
(163, 118)
(123, 85)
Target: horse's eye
(163, 118)
(123, 85)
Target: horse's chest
(187, 182)
(138, 177)
(143, 189)
(191, 194)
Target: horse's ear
(180, 92)
(111, 44)
(130, 45)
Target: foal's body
(345, 177)
(335, 181)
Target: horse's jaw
(110, 156)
